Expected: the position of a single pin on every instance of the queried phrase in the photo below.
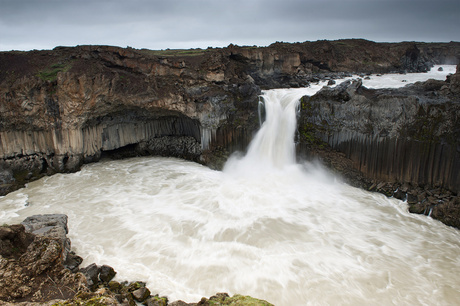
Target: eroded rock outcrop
(32, 264)
(34, 271)
(62, 108)
(404, 142)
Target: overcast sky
(161, 24)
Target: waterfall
(273, 146)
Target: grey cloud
(27, 24)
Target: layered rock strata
(62, 108)
(408, 139)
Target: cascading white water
(267, 227)
(273, 146)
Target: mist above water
(266, 226)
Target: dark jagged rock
(400, 137)
(106, 274)
(71, 106)
(91, 273)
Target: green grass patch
(50, 73)
(173, 52)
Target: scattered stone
(411, 199)
(399, 194)
(115, 286)
(91, 273)
(106, 274)
(72, 261)
(6, 177)
(141, 294)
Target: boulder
(91, 273)
(141, 294)
(31, 268)
(106, 274)
(52, 226)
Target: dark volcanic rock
(106, 274)
(65, 107)
(91, 273)
(391, 135)
(400, 137)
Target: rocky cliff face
(294, 65)
(62, 108)
(408, 138)
(69, 106)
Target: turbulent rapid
(267, 226)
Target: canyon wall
(60, 109)
(397, 135)
(65, 107)
(402, 142)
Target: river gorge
(269, 225)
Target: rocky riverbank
(37, 267)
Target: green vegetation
(172, 52)
(95, 301)
(307, 135)
(237, 300)
(305, 103)
(50, 73)
(161, 301)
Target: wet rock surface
(400, 142)
(31, 268)
(33, 272)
